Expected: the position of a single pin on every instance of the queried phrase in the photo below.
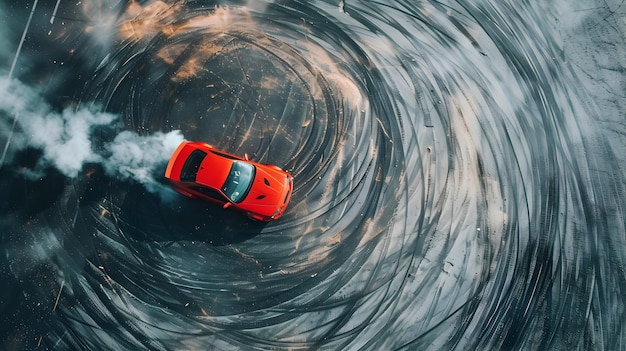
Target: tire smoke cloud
(66, 141)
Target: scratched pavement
(458, 175)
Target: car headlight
(277, 212)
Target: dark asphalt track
(458, 167)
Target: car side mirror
(246, 156)
(227, 205)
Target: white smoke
(134, 156)
(65, 137)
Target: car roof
(214, 169)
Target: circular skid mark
(449, 192)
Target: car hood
(268, 191)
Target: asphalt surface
(458, 171)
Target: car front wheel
(256, 217)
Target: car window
(210, 193)
(239, 181)
(191, 166)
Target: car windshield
(239, 181)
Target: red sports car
(198, 170)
